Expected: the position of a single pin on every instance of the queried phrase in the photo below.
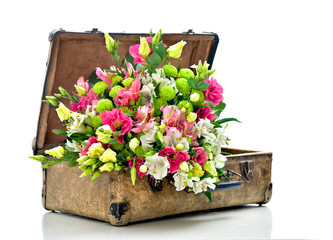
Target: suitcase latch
(246, 169)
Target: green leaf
(219, 108)
(209, 196)
(140, 67)
(224, 120)
(93, 79)
(160, 50)
(202, 86)
(72, 163)
(157, 110)
(192, 82)
(58, 131)
(129, 58)
(139, 102)
(154, 59)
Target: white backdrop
(274, 62)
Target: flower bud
(82, 159)
(133, 173)
(89, 162)
(63, 112)
(109, 156)
(95, 175)
(184, 166)
(143, 168)
(57, 152)
(80, 90)
(210, 167)
(144, 49)
(134, 143)
(159, 136)
(157, 38)
(103, 137)
(107, 167)
(162, 127)
(179, 147)
(111, 44)
(191, 117)
(175, 50)
(86, 172)
(194, 97)
(96, 150)
(63, 91)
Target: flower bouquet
(144, 113)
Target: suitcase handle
(226, 186)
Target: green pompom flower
(117, 146)
(201, 97)
(186, 73)
(182, 86)
(185, 105)
(100, 87)
(114, 91)
(127, 82)
(167, 93)
(170, 70)
(104, 105)
(96, 121)
(125, 110)
(116, 79)
(162, 102)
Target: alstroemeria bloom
(174, 157)
(138, 164)
(124, 95)
(117, 121)
(171, 116)
(214, 92)
(144, 119)
(104, 76)
(174, 137)
(157, 166)
(90, 100)
(134, 51)
(203, 185)
(82, 87)
(181, 180)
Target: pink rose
(201, 156)
(174, 157)
(205, 112)
(117, 121)
(214, 92)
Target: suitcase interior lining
(73, 55)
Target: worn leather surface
(66, 192)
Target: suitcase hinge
(94, 31)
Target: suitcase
(112, 197)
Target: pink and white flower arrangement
(146, 115)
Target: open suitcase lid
(72, 55)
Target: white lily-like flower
(203, 185)
(148, 138)
(205, 129)
(75, 145)
(181, 180)
(89, 115)
(174, 137)
(76, 123)
(158, 166)
(147, 97)
(221, 140)
(219, 161)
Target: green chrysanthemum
(96, 121)
(100, 87)
(162, 102)
(127, 82)
(182, 86)
(170, 70)
(116, 79)
(114, 91)
(186, 73)
(167, 93)
(125, 110)
(104, 105)
(185, 105)
(201, 97)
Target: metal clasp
(246, 167)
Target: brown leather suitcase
(112, 197)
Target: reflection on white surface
(240, 222)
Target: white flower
(205, 129)
(182, 181)
(219, 161)
(148, 138)
(157, 166)
(174, 137)
(221, 140)
(76, 123)
(203, 185)
(160, 78)
(147, 97)
(76, 146)
(89, 115)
